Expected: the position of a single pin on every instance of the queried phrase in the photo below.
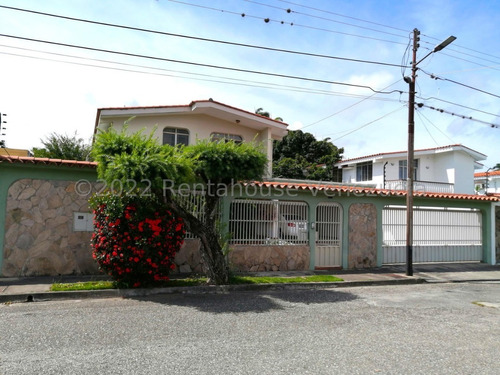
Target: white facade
(197, 121)
(448, 169)
(487, 182)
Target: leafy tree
(140, 161)
(299, 155)
(58, 146)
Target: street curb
(444, 281)
(205, 289)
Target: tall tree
(140, 161)
(299, 155)
(59, 146)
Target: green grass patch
(234, 280)
(87, 285)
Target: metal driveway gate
(328, 235)
(440, 234)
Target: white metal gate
(439, 234)
(328, 252)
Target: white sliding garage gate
(328, 235)
(439, 234)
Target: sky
(359, 105)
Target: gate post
(312, 235)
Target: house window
(403, 169)
(226, 137)
(364, 171)
(337, 174)
(174, 136)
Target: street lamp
(411, 140)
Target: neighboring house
(14, 152)
(487, 182)
(447, 169)
(201, 119)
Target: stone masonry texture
(362, 236)
(39, 237)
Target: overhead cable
(175, 74)
(496, 126)
(345, 109)
(192, 63)
(267, 20)
(309, 54)
(433, 76)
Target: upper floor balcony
(421, 186)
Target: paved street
(412, 329)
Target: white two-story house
(201, 119)
(487, 182)
(447, 169)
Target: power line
(458, 45)
(345, 109)
(458, 115)
(323, 18)
(267, 20)
(458, 105)
(469, 61)
(427, 130)
(309, 54)
(342, 15)
(200, 64)
(368, 123)
(430, 122)
(433, 76)
(208, 77)
(386, 26)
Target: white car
(292, 226)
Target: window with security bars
(268, 222)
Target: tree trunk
(214, 259)
(212, 254)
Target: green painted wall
(11, 172)
(313, 198)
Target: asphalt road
(413, 329)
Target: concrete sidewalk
(22, 289)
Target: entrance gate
(328, 235)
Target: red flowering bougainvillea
(135, 239)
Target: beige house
(202, 119)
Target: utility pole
(410, 166)
(409, 163)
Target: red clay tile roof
(359, 190)
(335, 189)
(489, 174)
(405, 151)
(46, 161)
(181, 106)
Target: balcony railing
(421, 186)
